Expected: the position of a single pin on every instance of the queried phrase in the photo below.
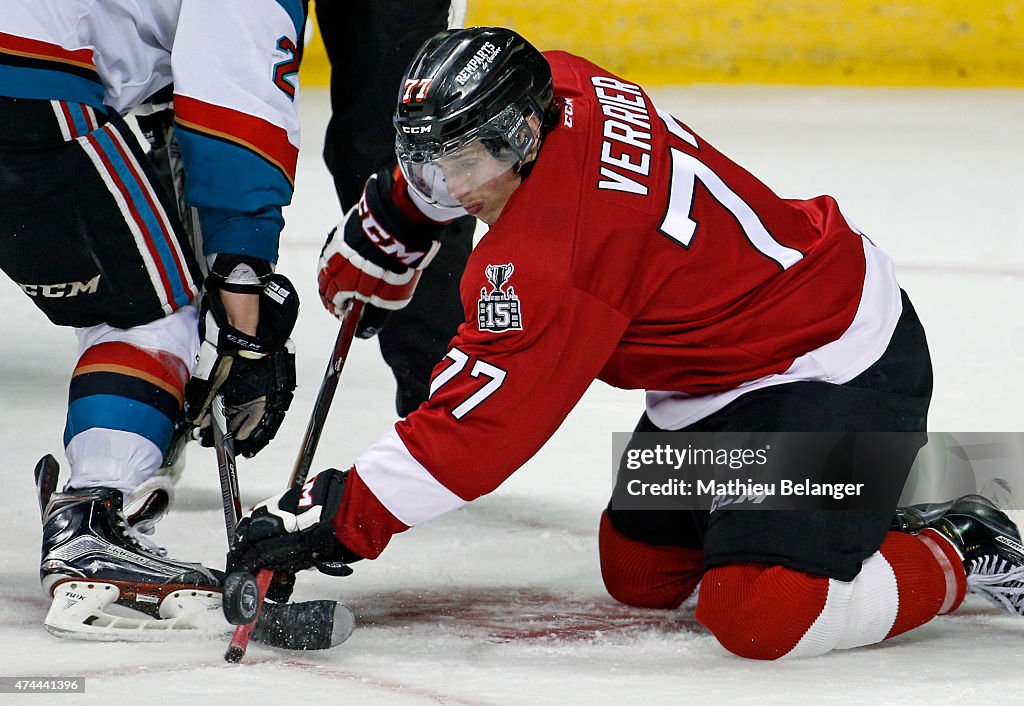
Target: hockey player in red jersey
(624, 247)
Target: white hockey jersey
(233, 64)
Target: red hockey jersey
(637, 254)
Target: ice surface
(502, 601)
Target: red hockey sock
(767, 612)
(760, 611)
(929, 574)
(646, 575)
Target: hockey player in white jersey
(90, 236)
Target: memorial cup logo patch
(498, 309)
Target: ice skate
(106, 585)
(988, 541)
(914, 518)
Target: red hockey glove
(375, 255)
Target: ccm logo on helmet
(416, 89)
(416, 129)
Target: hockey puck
(241, 598)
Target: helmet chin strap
(523, 167)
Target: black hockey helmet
(463, 86)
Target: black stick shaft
(325, 396)
(224, 445)
(240, 639)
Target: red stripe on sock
(158, 367)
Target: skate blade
(84, 610)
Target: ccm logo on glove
(306, 497)
(375, 255)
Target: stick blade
(312, 625)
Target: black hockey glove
(375, 255)
(254, 374)
(294, 531)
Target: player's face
(484, 199)
(476, 176)
(471, 177)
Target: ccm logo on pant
(63, 289)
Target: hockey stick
(322, 405)
(224, 445)
(310, 625)
(304, 461)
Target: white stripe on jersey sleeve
(402, 484)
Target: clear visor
(447, 181)
(448, 174)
